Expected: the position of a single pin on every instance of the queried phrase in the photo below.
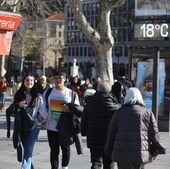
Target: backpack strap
(46, 97)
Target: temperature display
(159, 31)
(149, 30)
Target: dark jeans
(55, 150)
(2, 99)
(130, 165)
(98, 158)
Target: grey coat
(131, 130)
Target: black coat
(97, 114)
(68, 124)
(131, 130)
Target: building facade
(54, 41)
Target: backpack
(46, 97)
(124, 89)
(120, 89)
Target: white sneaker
(64, 167)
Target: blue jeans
(2, 99)
(28, 142)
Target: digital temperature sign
(151, 31)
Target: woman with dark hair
(29, 115)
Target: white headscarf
(133, 96)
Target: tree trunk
(101, 37)
(104, 67)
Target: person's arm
(42, 112)
(111, 134)
(153, 129)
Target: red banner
(9, 22)
(5, 40)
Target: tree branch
(82, 22)
(115, 4)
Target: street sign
(9, 22)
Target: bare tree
(101, 38)
(33, 8)
(36, 10)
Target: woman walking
(132, 131)
(29, 115)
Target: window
(77, 51)
(76, 37)
(60, 25)
(69, 51)
(69, 11)
(72, 24)
(68, 37)
(89, 52)
(73, 51)
(88, 9)
(85, 9)
(85, 51)
(53, 29)
(69, 24)
(81, 51)
(93, 8)
(80, 37)
(59, 34)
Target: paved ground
(41, 152)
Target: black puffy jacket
(131, 130)
(97, 114)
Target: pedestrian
(42, 84)
(84, 87)
(75, 84)
(121, 86)
(3, 91)
(95, 82)
(132, 130)
(58, 124)
(29, 115)
(11, 85)
(99, 109)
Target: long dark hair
(21, 93)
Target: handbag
(156, 148)
(28, 121)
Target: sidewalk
(41, 152)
